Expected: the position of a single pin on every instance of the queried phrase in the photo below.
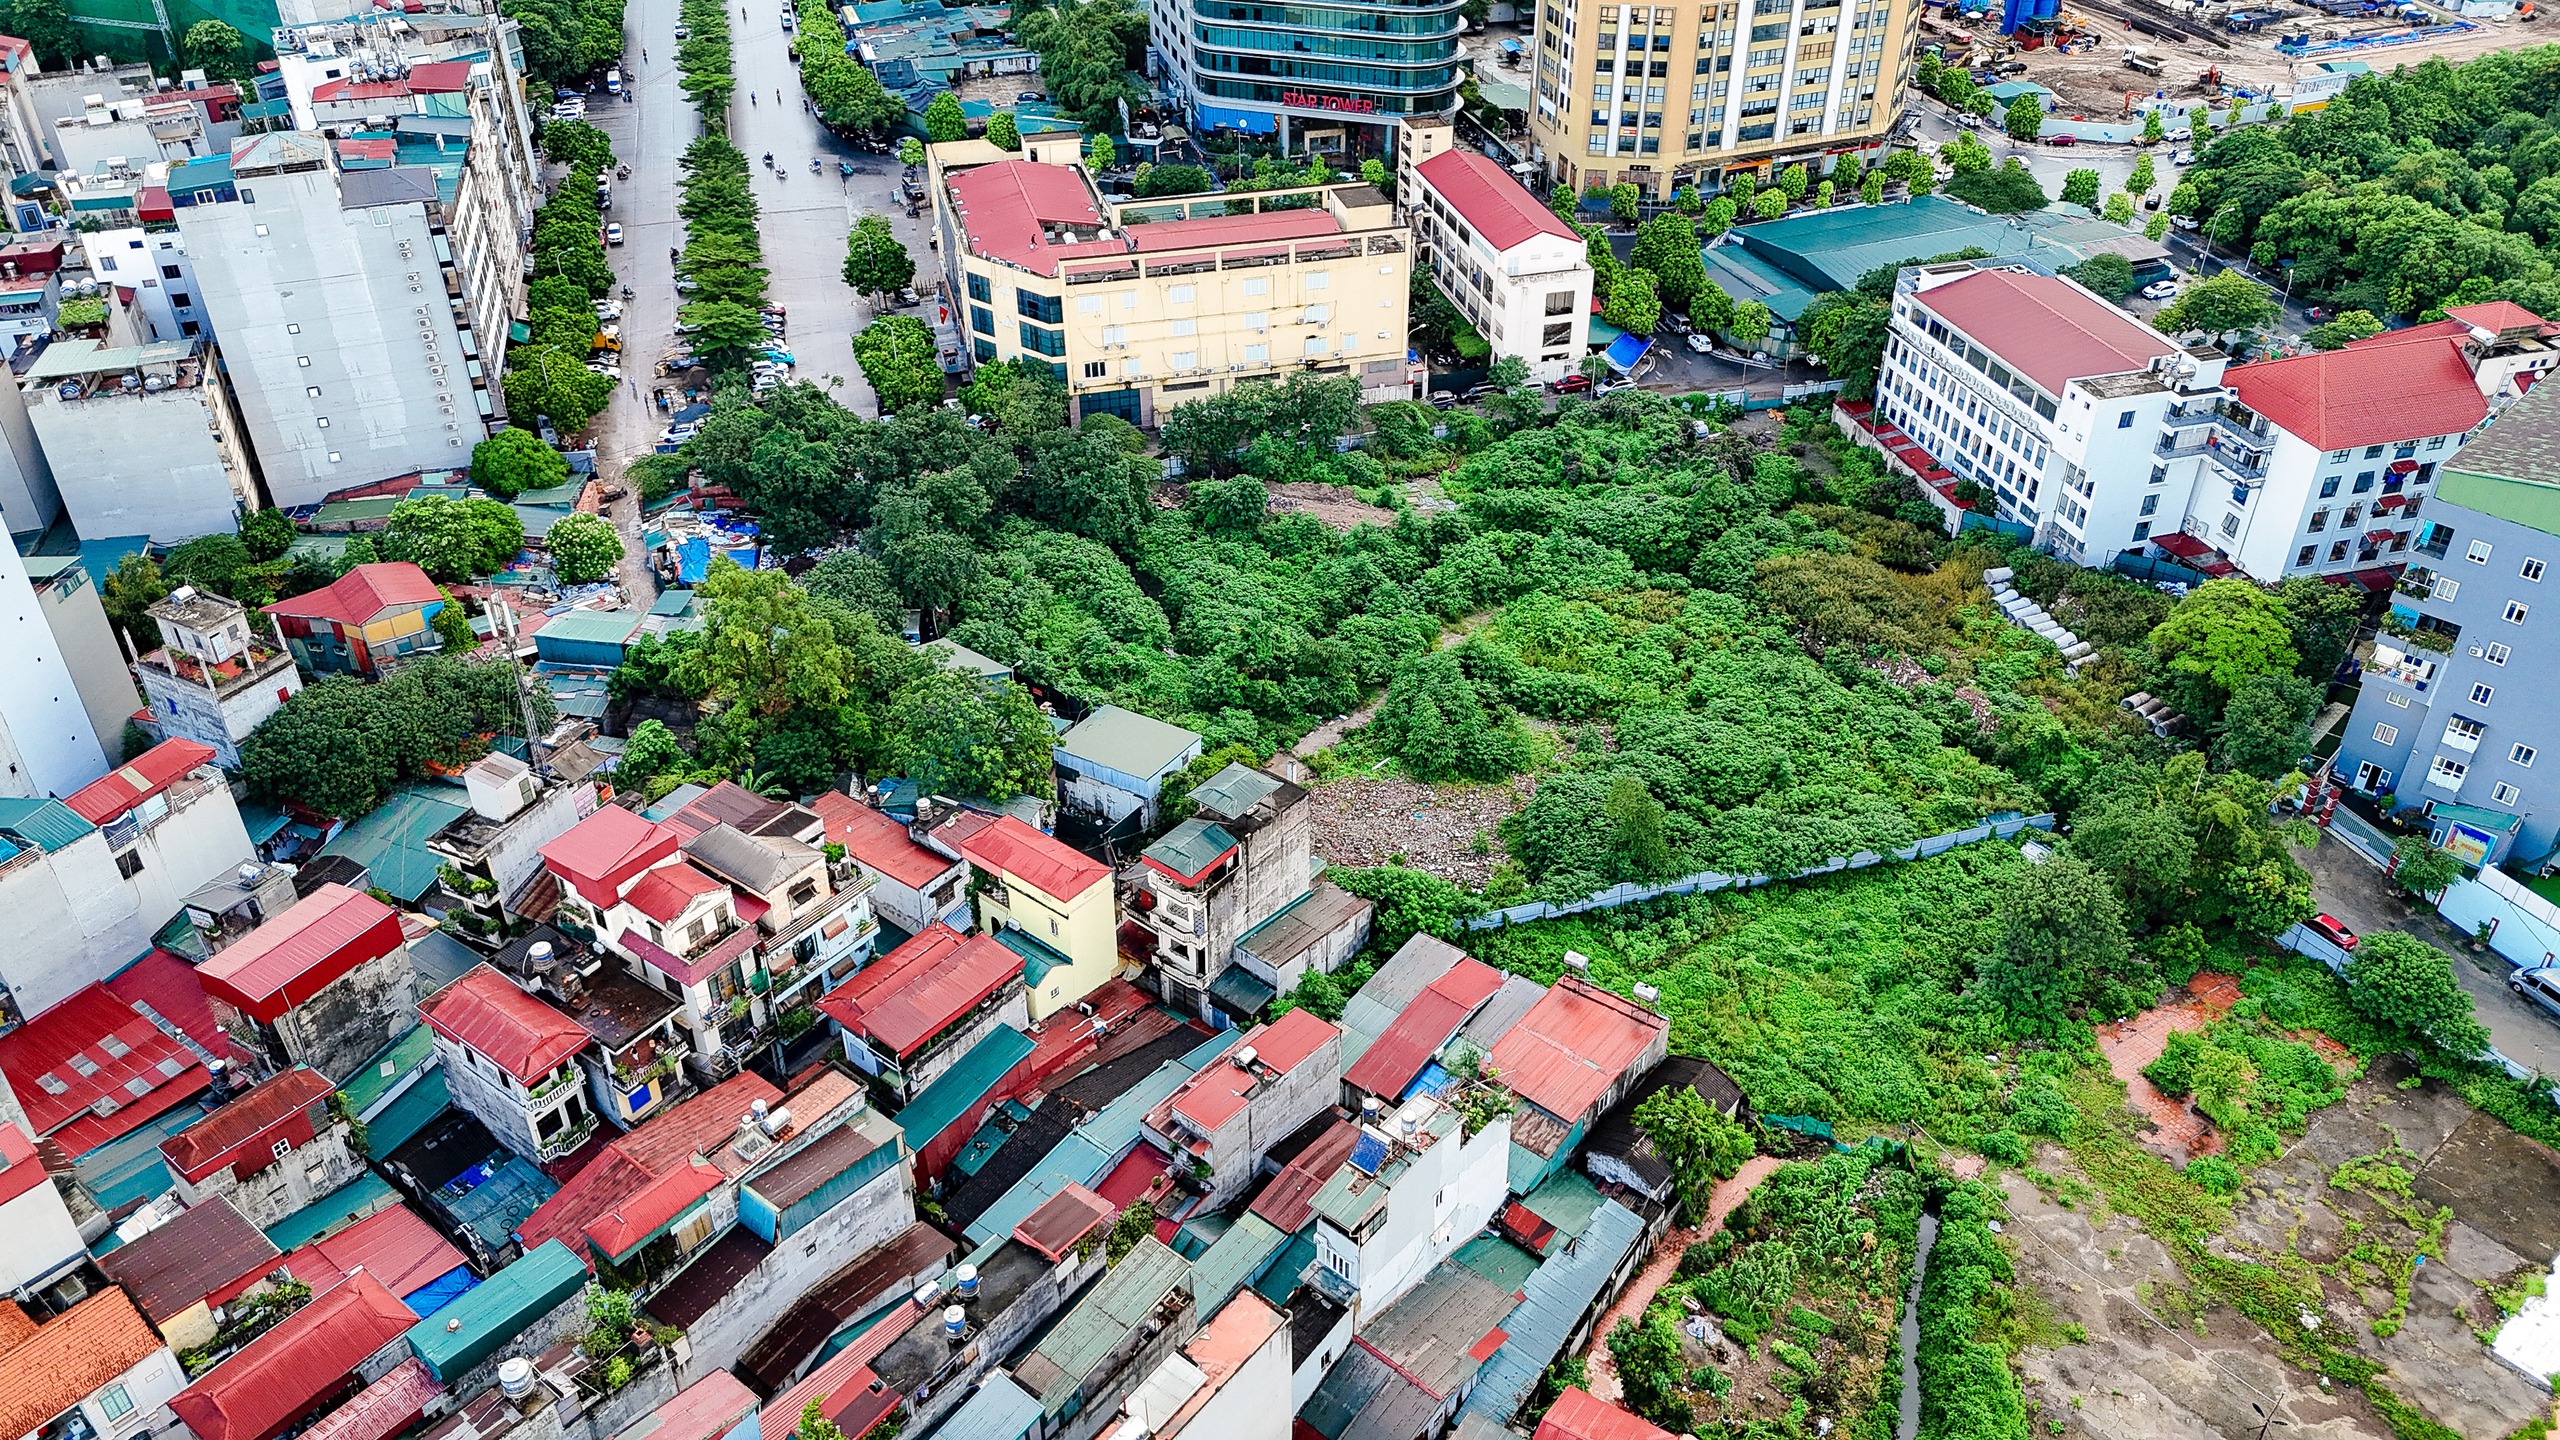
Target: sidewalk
(1602, 1379)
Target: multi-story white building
(1520, 273)
(141, 439)
(349, 356)
(74, 608)
(1416, 1187)
(218, 674)
(156, 298)
(510, 1060)
(48, 743)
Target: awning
(2404, 467)
(30, 183)
(2390, 502)
(2376, 581)
(2182, 545)
(2376, 537)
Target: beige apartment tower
(1139, 307)
(1665, 96)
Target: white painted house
(1520, 273)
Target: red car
(1572, 383)
(2062, 139)
(2328, 928)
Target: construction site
(2101, 59)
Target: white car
(2183, 222)
(2160, 290)
(613, 234)
(1701, 344)
(1612, 387)
(608, 310)
(610, 372)
(678, 434)
(2183, 157)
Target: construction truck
(2150, 65)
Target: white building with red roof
(913, 1013)
(510, 1063)
(1520, 273)
(170, 825)
(1136, 318)
(1268, 1082)
(912, 886)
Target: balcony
(2464, 735)
(2446, 776)
(2232, 459)
(2400, 667)
(223, 678)
(2191, 415)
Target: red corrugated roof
(1498, 206)
(1290, 1197)
(489, 1013)
(353, 90)
(71, 1357)
(208, 1145)
(301, 952)
(1222, 229)
(600, 854)
(1005, 210)
(1024, 855)
(1573, 1045)
(1217, 1093)
(1063, 1220)
(2046, 329)
(364, 593)
(93, 1052)
(382, 1409)
(843, 1389)
(1398, 1055)
(393, 1246)
(169, 986)
(1134, 1176)
(1580, 1415)
(663, 893)
(2339, 399)
(294, 1366)
(698, 1126)
(916, 991)
(149, 773)
(439, 77)
(629, 1224)
(606, 1182)
(878, 841)
(2496, 316)
(2433, 332)
(20, 1170)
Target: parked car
(1701, 344)
(606, 369)
(1612, 387)
(2331, 929)
(2539, 984)
(678, 434)
(2183, 157)
(908, 299)
(684, 32)
(2160, 290)
(1571, 383)
(1479, 392)
(2182, 222)
(1027, 96)
(613, 233)
(1444, 399)
(780, 357)
(608, 310)
(2062, 139)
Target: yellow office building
(1666, 96)
(1140, 307)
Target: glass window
(979, 289)
(2504, 793)
(2532, 571)
(2478, 554)
(1178, 294)
(2480, 694)
(982, 320)
(1043, 342)
(2515, 612)
(2495, 653)
(114, 1403)
(2386, 734)
(2521, 755)
(1044, 308)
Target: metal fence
(1709, 881)
(2301, 941)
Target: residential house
(217, 675)
(510, 1062)
(496, 845)
(1413, 1363)
(1317, 933)
(1051, 904)
(912, 887)
(140, 439)
(528, 1307)
(76, 916)
(1227, 1116)
(1414, 1188)
(916, 1011)
(1405, 1057)
(302, 1367)
(1521, 275)
(1580, 1415)
(270, 1152)
(393, 1246)
(39, 1240)
(184, 1272)
(1114, 763)
(1577, 1052)
(944, 1114)
(636, 1065)
(1224, 1380)
(326, 984)
(701, 1125)
(97, 1369)
(170, 825)
(98, 1065)
(815, 933)
(371, 616)
(1116, 1336)
(898, 1268)
(2451, 720)
(1621, 1157)
(48, 743)
(710, 1408)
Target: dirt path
(2176, 1131)
(1603, 1371)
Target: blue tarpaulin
(1625, 351)
(693, 559)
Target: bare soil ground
(1366, 821)
(2176, 1131)
(2159, 1359)
(1338, 506)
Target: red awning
(2404, 467)
(2182, 545)
(2390, 502)
(2376, 581)
(2376, 537)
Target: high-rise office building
(1336, 76)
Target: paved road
(2346, 885)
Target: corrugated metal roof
(605, 627)
(1091, 1148)
(1551, 1303)
(497, 1310)
(46, 824)
(1190, 848)
(1567, 1200)
(1420, 960)
(1580, 1415)
(1229, 1265)
(199, 1255)
(290, 1368)
(1001, 1410)
(1068, 1355)
(956, 1094)
(1233, 791)
(1124, 740)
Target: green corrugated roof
(1039, 957)
(1279, 1279)
(1127, 741)
(399, 1122)
(1498, 1260)
(2479, 817)
(1120, 1303)
(337, 511)
(1567, 1200)
(1191, 847)
(376, 1076)
(604, 627)
(496, 1310)
(332, 1212)
(391, 841)
(959, 1091)
(673, 602)
(46, 824)
(1233, 791)
(1230, 1264)
(952, 655)
(1241, 991)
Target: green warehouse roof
(479, 1323)
(1127, 741)
(1825, 250)
(2513, 470)
(391, 841)
(603, 627)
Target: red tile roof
(301, 952)
(1499, 207)
(70, 1357)
(878, 841)
(393, 1246)
(1390, 1064)
(489, 1013)
(1580, 1415)
(2046, 329)
(600, 854)
(698, 1126)
(149, 773)
(1573, 1045)
(1291, 1196)
(2339, 399)
(1218, 1091)
(302, 1361)
(663, 893)
(365, 593)
(244, 1132)
(1025, 856)
(2497, 316)
(1063, 1220)
(209, 1253)
(638, 1216)
(916, 991)
(92, 1051)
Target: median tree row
(722, 266)
(703, 63)
(847, 94)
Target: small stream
(1908, 1428)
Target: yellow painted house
(1047, 903)
(372, 614)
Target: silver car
(2539, 984)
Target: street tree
(875, 263)
(2421, 869)
(1751, 322)
(1769, 204)
(2217, 306)
(910, 151)
(2024, 119)
(1667, 245)
(2107, 275)
(1795, 180)
(900, 363)
(1635, 302)
(513, 461)
(548, 381)
(2143, 176)
(584, 548)
(944, 120)
(2118, 209)
(1624, 197)
(2080, 187)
